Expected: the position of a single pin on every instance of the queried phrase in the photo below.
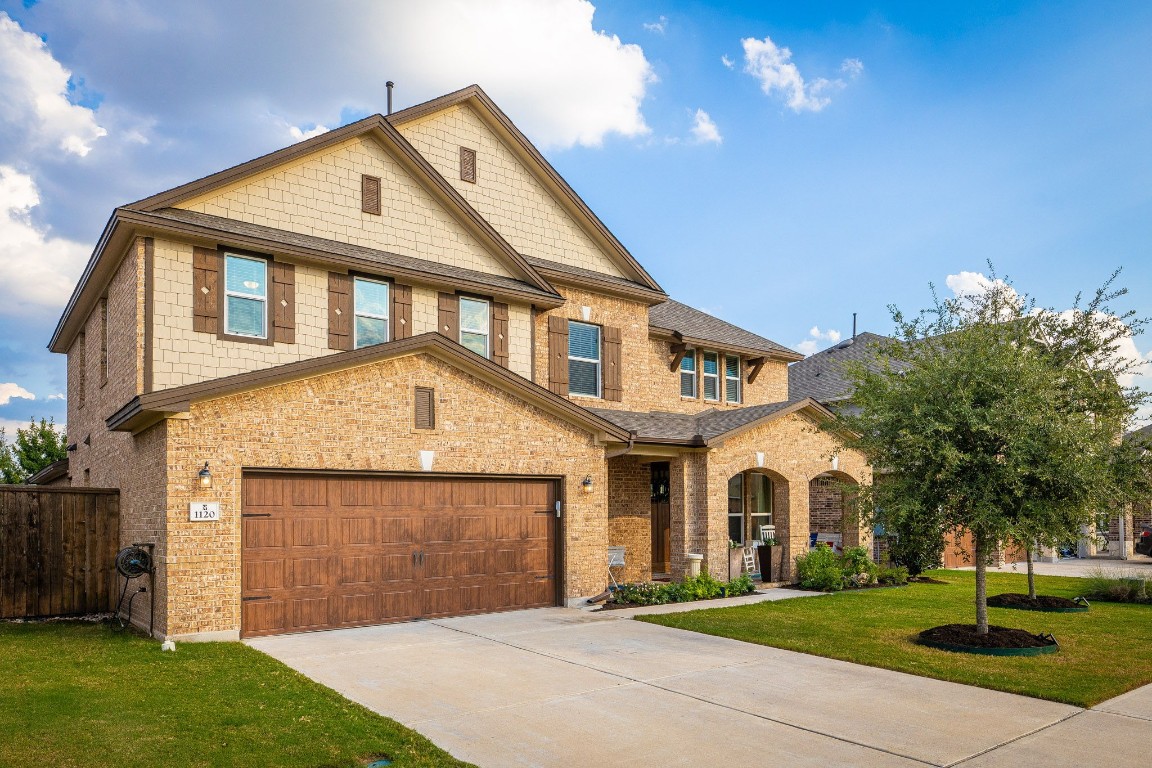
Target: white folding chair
(615, 560)
(750, 559)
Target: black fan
(133, 561)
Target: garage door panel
(397, 567)
(335, 551)
(261, 532)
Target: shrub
(820, 569)
(894, 576)
(858, 567)
(642, 594)
(702, 587)
(741, 585)
(1118, 587)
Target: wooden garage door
(326, 551)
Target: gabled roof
(692, 326)
(85, 295)
(1141, 435)
(565, 274)
(709, 428)
(143, 411)
(821, 376)
(530, 158)
(50, 473)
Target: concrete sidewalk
(1079, 567)
(566, 687)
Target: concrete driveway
(566, 687)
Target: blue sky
(781, 165)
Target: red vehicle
(1144, 543)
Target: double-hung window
(732, 378)
(583, 359)
(711, 366)
(474, 319)
(688, 374)
(370, 306)
(245, 296)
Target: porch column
(795, 540)
(688, 505)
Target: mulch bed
(1039, 603)
(997, 637)
(846, 589)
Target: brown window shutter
(467, 164)
(558, 355)
(613, 390)
(339, 311)
(205, 290)
(425, 417)
(499, 332)
(283, 303)
(401, 311)
(448, 316)
(370, 194)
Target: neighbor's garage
(326, 551)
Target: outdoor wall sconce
(587, 485)
(760, 458)
(836, 462)
(205, 477)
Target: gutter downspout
(622, 452)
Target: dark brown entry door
(327, 551)
(661, 518)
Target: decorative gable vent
(370, 194)
(425, 408)
(467, 164)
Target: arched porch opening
(758, 505)
(831, 509)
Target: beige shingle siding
(320, 195)
(504, 193)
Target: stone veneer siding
(360, 419)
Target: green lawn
(1103, 653)
(75, 694)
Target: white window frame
(248, 296)
(733, 384)
(743, 507)
(486, 331)
(356, 312)
(598, 360)
(704, 376)
(689, 355)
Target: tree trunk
(981, 555)
(1031, 573)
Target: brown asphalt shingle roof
(694, 324)
(697, 429)
(821, 376)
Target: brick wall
(630, 514)
(505, 192)
(825, 505)
(360, 419)
(320, 195)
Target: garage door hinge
(557, 509)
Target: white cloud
(10, 390)
(853, 68)
(727, 61)
(971, 284)
(36, 111)
(704, 130)
(57, 396)
(299, 134)
(773, 67)
(817, 339)
(657, 26)
(37, 270)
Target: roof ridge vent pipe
(390, 85)
(853, 314)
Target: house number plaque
(204, 511)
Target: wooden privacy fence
(57, 550)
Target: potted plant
(771, 560)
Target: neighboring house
(422, 379)
(1140, 514)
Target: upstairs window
(732, 378)
(711, 365)
(583, 359)
(245, 296)
(688, 374)
(475, 316)
(370, 302)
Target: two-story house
(417, 377)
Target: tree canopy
(35, 447)
(992, 414)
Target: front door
(661, 519)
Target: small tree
(992, 415)
(36, 446)
(915, 540)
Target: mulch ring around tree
(999, 641)
(1039, 603)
